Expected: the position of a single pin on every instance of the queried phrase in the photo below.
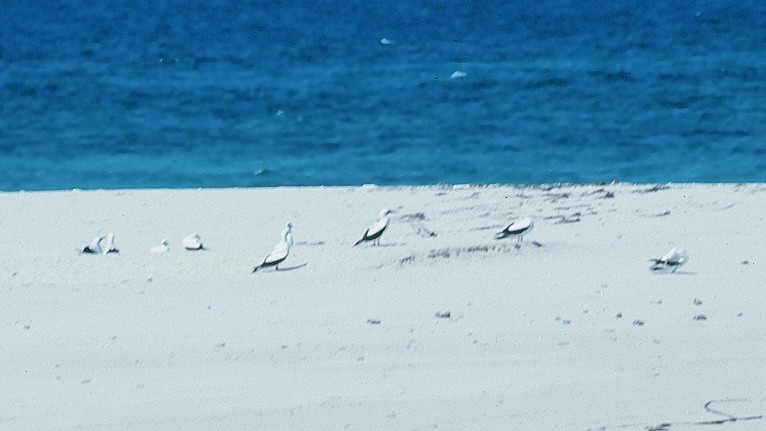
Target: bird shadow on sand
(292, 268)
(667, 272)
(519, 245)
(385, 244)
(289, 268)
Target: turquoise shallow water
(212, 94)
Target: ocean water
(172, 93)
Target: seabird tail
(257, 268)
(359, 242)
(661, 265)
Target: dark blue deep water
(190, 93)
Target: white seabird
(94, 247)
(672, 260)
(281, 250)
(192, 242)
(375, 231)
(164, 247)
(110, 247)
(519, 228)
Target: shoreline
(575, 333)
(450, 186)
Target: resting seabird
(375, 231)
(192, 242)
(519, 228)
(164, 247)
(672, 260)
(281, 250)
(110, 247)
(94, 247)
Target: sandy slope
(544, 337)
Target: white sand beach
(571, 331)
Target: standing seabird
(164, 247)
(94, 247)
(110, 247)
(192, 242)
(375, 231)
(672, 260)
(281, 250)
(519, 228)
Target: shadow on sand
(285, 269)
(291, 268)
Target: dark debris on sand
(655, 188)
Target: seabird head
(165, 242)
(384, 212)
(287, 234)
(110, 247)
